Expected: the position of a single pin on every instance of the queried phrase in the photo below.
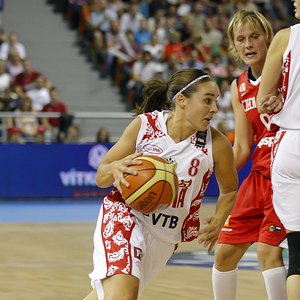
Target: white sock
(224, 284)
(275, 281)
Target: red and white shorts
(122, 245)
(286, 178)
(253, 218)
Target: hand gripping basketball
(155, 186)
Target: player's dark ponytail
(160, 95)
(155, 96)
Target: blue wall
(34, 171)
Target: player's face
(297, 8)
(202, 105)
(251, 45)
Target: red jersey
(26, 81)
(260, 123)
(57, 107)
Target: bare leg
(121, 286)
(228, 256)
(293, 287)
(92, 295)
(224, 274)
(274, 271)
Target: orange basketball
(155, 186)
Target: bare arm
(271, 74)
(243, 133)
(227, 178)
(117, 160)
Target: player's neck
(178, 128)
(254, 72)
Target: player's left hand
(210, 233)
(271, 104)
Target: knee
(294, 253)
(127, 294)
(225, 260)
(120, 286)
(269, 256)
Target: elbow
(99, 181)
(242, 155)
(103, 181)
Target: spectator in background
(131, 20)
(154, 47)
(27, 124)
(5, 78)
(113, 46)
(97, 26)
(10, 45)
(53, 124)
(85, 14)
(103, 135)
(40, 135)
(10, 99)
(158, 20)
(39, 95)
(217, 69)
(225, 114)
(171, 66)
(14, 64)
(143, 35)
(192, 61)
(143, 70)
(224, 101)
(14, 136)
(25, 80)
(174, 46)
(3, 36)
(73, 135)
(124, 71)
(212, 37)
(198, 15)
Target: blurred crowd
(128, 42)
(26, 90)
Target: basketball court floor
(46, 254)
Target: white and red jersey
(289, 116)
(260, 123)
(180, 221)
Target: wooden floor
(51, 261)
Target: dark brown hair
(158, 94)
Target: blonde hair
(251, 17)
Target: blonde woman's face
(251, 45)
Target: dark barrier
(57, 170)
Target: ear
(181, 101)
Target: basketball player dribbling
(282, 69)
(253, 218)
(175, 124)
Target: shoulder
(282, 36)
(234, 83)
(132, 130)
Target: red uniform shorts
(253, 218)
